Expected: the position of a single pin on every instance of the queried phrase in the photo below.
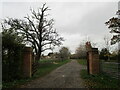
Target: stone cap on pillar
(94, 50)
(27, 49)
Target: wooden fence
(111, 68)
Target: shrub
(11, 56)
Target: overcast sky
(75, 21)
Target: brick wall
(93, 65)
(27, 62)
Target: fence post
(27, 62)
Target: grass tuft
(99, 81)
(82, 61)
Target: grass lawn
(82, 61)
(102, 80)
(44, 69)
(99, 81)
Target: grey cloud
(74, 20)
(92, 22)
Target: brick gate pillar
(27, 62)
(94, 64)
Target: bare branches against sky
(73, 20)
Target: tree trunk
(38, 55)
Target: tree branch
(46, 49)
(33, 26)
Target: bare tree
(36, 30)
(81, 51)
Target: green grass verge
(46, 68)
(43, 70)
(82, 61)
(46, 61)
(99, 81)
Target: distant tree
(81, 51)
(73, 56)
(104, 54)
(37, 30)
(107, 45)
(114, 55)
(64, 53)
(114, 26)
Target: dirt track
(66, 76)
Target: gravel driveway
(65, 76)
